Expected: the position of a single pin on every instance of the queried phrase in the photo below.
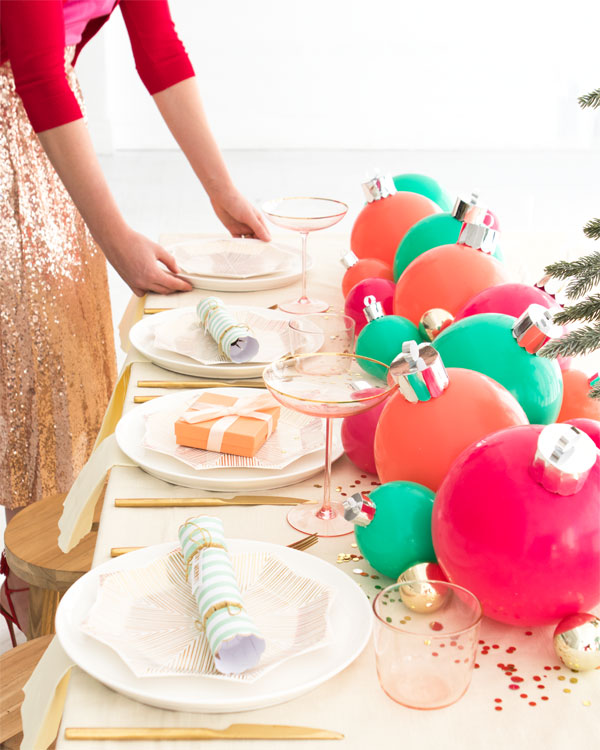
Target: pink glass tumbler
(425, 642)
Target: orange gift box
(224, 430)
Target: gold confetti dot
(427, 642)
(587, 703)
(567, 690)
(407, 617)
(573, 680)
(561, 677)
(338, 489)
(318, 485)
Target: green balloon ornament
(504, 348)
(424, 185)
(393, 526)
(382, 337)
(439, 229)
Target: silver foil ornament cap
(563, 458)
(535, 327)
(373, 309)
(468, 211)
(478, 237)
(379, 186)
(556, 288)
(419, 372)
(359, 509)
(349, 259)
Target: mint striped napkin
(233, 338)
(234, 641)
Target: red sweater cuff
(50, 105)
(167, 74)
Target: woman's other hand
(238, 215)
(138, 260)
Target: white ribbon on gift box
(243, 407)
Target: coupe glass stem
(304, 236)
(326, 512)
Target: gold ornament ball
(433, 322)
(577, 641)
(420, 592)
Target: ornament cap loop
(467, 210)
(349, 259)
(478, 237)
(534, 328)
(359, 509)
(563, 458)
(373, 309)
(419, 372)
(379, 186)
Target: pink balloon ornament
(517, 522)
(381, 289)
(358, 437)
(591, 427)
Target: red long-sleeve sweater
(32, 37)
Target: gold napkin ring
(233, 608)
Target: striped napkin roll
(233, 338)
(233, 638)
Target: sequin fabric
(57, 358)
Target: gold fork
(302, 545)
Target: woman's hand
(238, 215)
(136, 260)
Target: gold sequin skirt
(57, 356)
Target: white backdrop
(370, 74)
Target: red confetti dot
(358, 480)
(555, 667)
(544, 697)
(541, 687)
(457, 661)
(435, 653)
(532, 703)
(363, 476)
(528, 632)
(498, 700)
(495, 645)
(508, 674)
(516, 679)
(500, 665)
(481, 642)
(523, 695)
(511, 650)
(513, 687)
(548, 669)
(498, 708)
(436, 625)
(537, 678)
(442, 645)
(476, 666)
(453, 643)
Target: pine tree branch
(586, 271)
(595, 391)
(590, 100)
(592, 229)
(588, 310)
(574, 344)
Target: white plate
(254, 284)
(141, 337)
(130, 437)
(351, 621)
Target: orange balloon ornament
(576, 400)
(365, 268)
(435, 415)
(448, 276)
(381, 225)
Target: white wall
(393, 74)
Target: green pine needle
(595, 391)
(584, 272)
(588, 310)
(592, 229)
(590, 100)
(573, 344)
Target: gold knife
(205, 502)
(154, 310)
(253, 383)
(233, 732)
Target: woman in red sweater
(58, 221)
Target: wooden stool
(32, 552)
(16, 667)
